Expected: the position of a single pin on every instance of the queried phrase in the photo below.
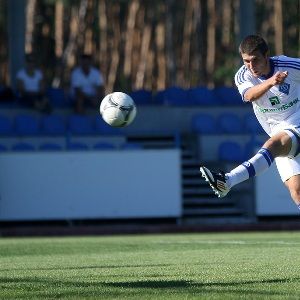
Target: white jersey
(86, 83)
(279, 107)
(31, 83)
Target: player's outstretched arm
(258, 90)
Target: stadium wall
(90, 185)
(272, 197)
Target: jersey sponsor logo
(281, 108)
(274, 100)
(284, 88)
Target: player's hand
(278, 77)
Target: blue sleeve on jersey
(243, 94)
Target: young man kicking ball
(272, 85)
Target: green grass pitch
(162, 266)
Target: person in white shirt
(87, 85)
(31, 86)
(272, 86)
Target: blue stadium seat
(131, 146)
(26, 125)
(104, 146)
(230, 123)
(159, 97)
(175, 96)
(228, 95)
(202, 96)
(252, 147)
(3, 148)
(252, 125)
(57, 97)
(141, 97)
(23, 147)
(6, 125)
(204, 124)
(104, 129)
(77, 146)
(53, 125)
(50, 147)
(80, 125)
(230, 151)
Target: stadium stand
(251, 124)
(202, 96)
(141, 97)
(26, 124)
(204, 123)
(6, 126)
(252, 146)
(230, 151)
(80, 125)
(3, 148)
(50, 147)
(104, 146)
(23, 147)
(57, 98)
(77, 146)
(131, 146)
(230, 123)
(104, 129)
(228, 95)
(53, 125)
(175, 96)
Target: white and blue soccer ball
(118, 109)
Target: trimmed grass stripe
(162, 266)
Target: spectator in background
(31, 86)
(87, 85)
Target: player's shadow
(152, 284)
(184, 283)
(236, 287)
(71, 288)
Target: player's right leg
(222, 183)
(217, 181)
(286, 143)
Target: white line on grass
(229, 242)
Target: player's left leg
(293, 184)
(289, 171)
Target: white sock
(260, 162)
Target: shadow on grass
(64, 288)
(163, 284)
(183, 283)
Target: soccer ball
(118, 109)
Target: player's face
(257, 63)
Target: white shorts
(288, 167)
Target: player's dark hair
(252, 43)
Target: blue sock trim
(250, 168)
(267, 155)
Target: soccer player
(272, 85)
